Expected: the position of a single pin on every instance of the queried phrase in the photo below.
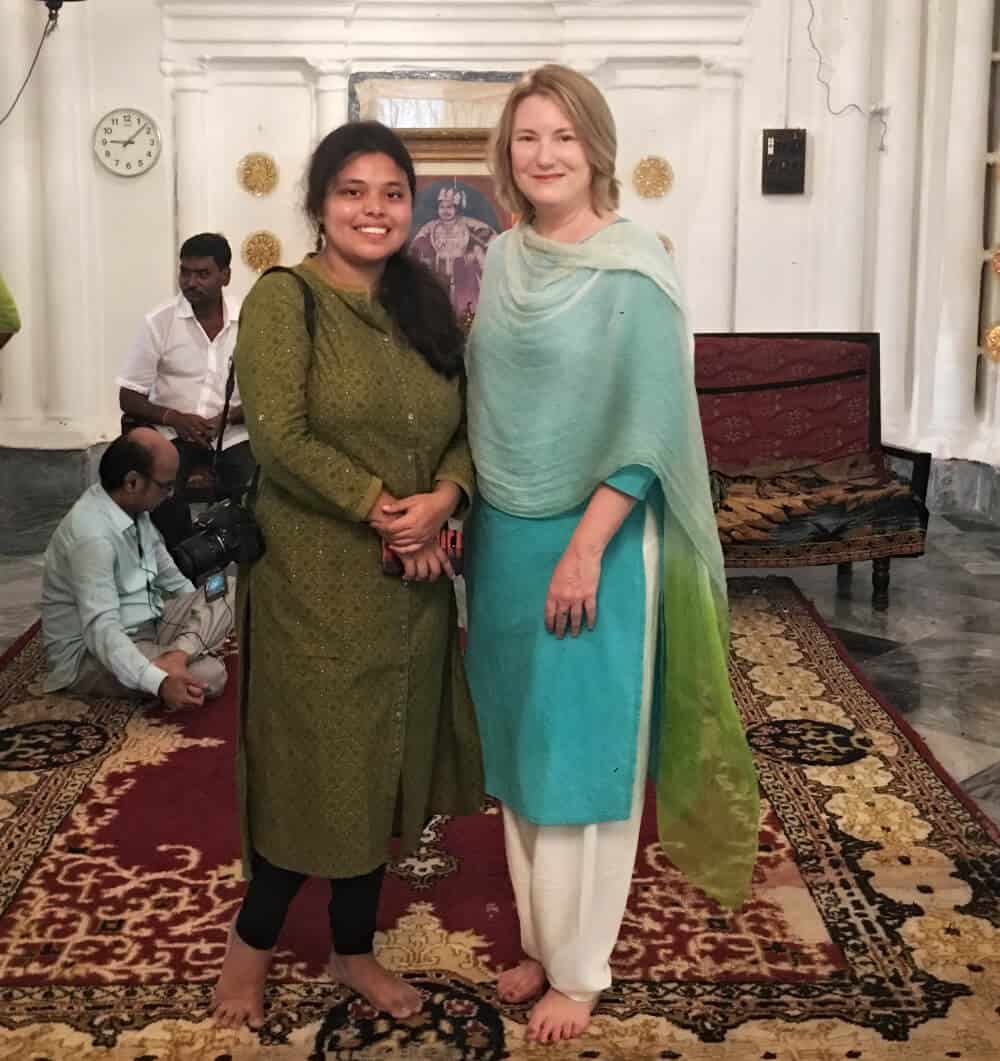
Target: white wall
(693, 82)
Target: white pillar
(895, 243)
(331, 99)
(839, 247)
(20, 378)
(712, 234)
(66, 184)
(953, 429)
(191, 135)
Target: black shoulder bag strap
(309, 299)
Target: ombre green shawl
(560, 398)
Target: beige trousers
(571, 882)
(189, 623)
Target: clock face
(127, 142)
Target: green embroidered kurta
(356, 719)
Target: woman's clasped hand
(410, 527)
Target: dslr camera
(224, 534)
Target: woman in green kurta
(356, 720)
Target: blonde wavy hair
(588, 111)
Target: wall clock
(127, 142)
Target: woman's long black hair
(412, 294)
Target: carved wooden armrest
(920, 462)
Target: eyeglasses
(167, 488)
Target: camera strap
(309, 299)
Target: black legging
(353, 905)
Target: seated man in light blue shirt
(118, 617)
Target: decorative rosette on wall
(991, 342)
(261, 250)
(257, 173)
(652, 177)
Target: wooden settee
(800, 475)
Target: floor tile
(864, 646)
(947, 683)
(13, 623)
(20, 590)
(985, 784)
(960, 758)
(965, 523)
(989, 807)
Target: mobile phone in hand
(450, 540)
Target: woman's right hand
(376, 518)
(572, 597)
(427, 565)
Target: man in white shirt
(118, 618)
(174, 376)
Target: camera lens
(222, 535)
(198, 555)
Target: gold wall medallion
(257, 173)
(995, 262)
(653, 177)
(668, 243)
(991, 342)
(261, 250)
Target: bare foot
(384, 990)
(556, 1017)
(526, 981)
(238, 998)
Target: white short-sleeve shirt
(172, 362)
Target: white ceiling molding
(371, 34)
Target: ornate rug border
(918, 742)
(10, 652)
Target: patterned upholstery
(767, 403)
(798, 470)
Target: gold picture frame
(446, 145)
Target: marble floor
(935, 654)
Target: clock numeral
(114, 121)
(127, 119)
(149, 154)
(146, 130)
(107, 130)
(104, 142)
(140, 163)
(107, 154)
(128, 165)
(118, 161)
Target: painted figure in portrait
(453, 223)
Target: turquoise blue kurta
(558, 718)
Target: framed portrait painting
(456, 213)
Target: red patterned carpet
(874, 930)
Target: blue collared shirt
(105, 576)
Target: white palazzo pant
(571, 882)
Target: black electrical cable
(50, 25)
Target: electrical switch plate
(783, 165)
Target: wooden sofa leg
(880, 584)
(844, 574)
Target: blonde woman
(598, 616)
